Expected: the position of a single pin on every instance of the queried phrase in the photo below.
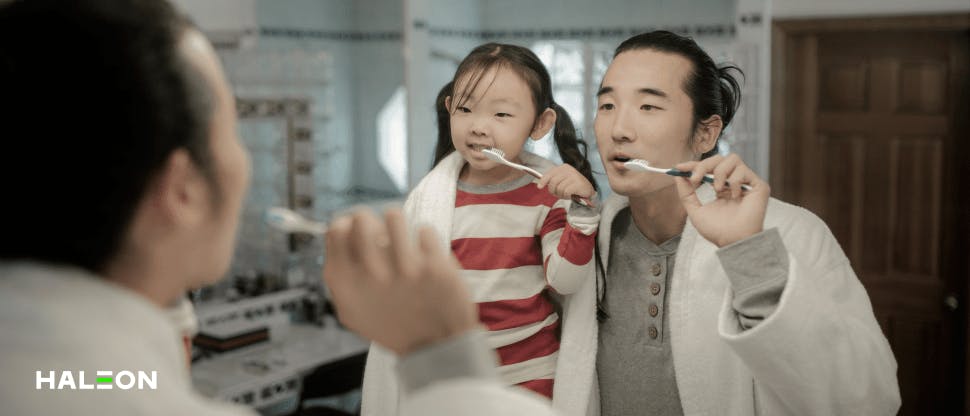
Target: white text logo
(104, 380)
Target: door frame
(783, 131)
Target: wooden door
(874, 141)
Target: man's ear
(706, 134)
(180, 193)
(545, 122)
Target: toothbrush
(641, 165)
(499, 156)
(286, 220)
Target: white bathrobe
(64, 319)
(820, 352)
(432, 203)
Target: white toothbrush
(641, 165)
(286, 220)
(499, 156)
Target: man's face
(644, 113)
(231, 164)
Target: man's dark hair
(713, 89)
(94, 97)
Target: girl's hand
(735, 214)
(564, 181)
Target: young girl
(521, 242)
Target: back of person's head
(522, 61)
(713, 90)
(95, 97)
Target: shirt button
(655, 269)
(654, 310)
(655, 288)
(653, 332)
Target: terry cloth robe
(432, 203)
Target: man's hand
(387, 289)
(735, 214)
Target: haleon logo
(104, 380)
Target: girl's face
(498, 112)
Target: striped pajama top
(516, 242)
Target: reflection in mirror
(363, 76)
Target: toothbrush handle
(707, 178)
(530, 171)
(582, 201)
(312, 228)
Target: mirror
(368, 71)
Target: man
(718, 299)
(715, 299)
(128, 178)
(125, 179)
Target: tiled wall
(344, 58)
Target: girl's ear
(544, 123)
(448, 104)
(706, 134)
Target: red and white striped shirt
(514, 241)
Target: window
(576, 68)
(392, 139)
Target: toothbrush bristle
(280, 217)
(494, 153)
(637, 164)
